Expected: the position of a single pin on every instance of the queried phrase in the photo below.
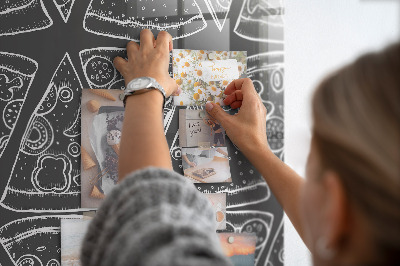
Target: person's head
(351, 197)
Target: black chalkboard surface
(50, 50)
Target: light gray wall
(320, 36)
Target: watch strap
(154, 86)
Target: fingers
(236, 96)
(245, 85)
(164, 41)
(147, 40)
(119, 64)
(218, 113)
(131, 49)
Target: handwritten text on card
(218, 70)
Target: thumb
(218, 113)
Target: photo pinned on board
(218, 202)
(203, 75)
(101, 123)
(239, 248)
(206, 165)
(198, 129)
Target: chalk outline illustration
(31, 76)
(175, 150)
(99, 50)
(241, 18)
(134, 24)
(213, 12)
(22, 149)
(7, 11)
(60, 7)
(6, 242)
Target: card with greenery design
(203, 75)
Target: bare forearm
(283, 181)
(143, 142)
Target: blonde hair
(356, 113)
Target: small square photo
(102, 116)
(218, 202)
(73, 232)
(239, 248)
(203, 74)
(206, 165)
(198, 129)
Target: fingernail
(209, 106)
(179, 90)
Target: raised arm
(247, 130)
(143, 142)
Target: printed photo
(101, 122)
(239, 248)
(72, 233)
(206, 165)
(198, 129)
(218, 201)
(203, 74)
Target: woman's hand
(150, 59)
(247, 128)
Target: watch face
(140, 83)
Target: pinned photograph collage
(202, 76)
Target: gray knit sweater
(153, 217)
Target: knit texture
(153, 217)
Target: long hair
(356, 113)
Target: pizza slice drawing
(16, 75)
(46, 173)
(65, 8)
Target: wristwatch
(141, 84)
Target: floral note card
(203, 75)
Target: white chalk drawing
(33, 240)
(23, 16)
(219, 10)
(126, 19)
(265, 14)
(266, 71)
(16, 75)
(275, 128)
(52, 136)
(175, 151)
(49, 150)
(98, 67)
(65, 8)
(169, 111)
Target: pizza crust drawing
(126, 19)
(261, 14)
(19, 16)
(16, 75)
(33, 241)
(47, 167)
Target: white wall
(322, 35)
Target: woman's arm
(143, 142)
(247, 130)
(154, 216)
